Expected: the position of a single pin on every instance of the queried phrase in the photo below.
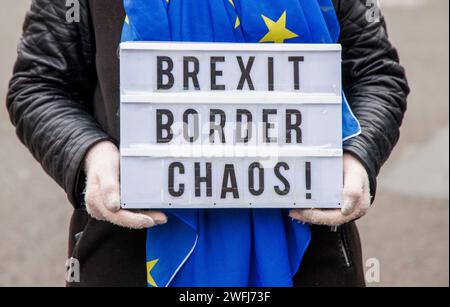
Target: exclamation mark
(308, 180)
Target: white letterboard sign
(206, 125)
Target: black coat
(64, 94)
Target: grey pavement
(406, 230)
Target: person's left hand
(356, 199)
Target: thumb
(354, 175)
(109, 182)
(112, 202)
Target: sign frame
(226, 98)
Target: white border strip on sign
(219, 151)
(179, 46)
(238, 205)
(231, 98)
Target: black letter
(293, 126)
(167, 126)
(240, 113)
(216, 73)
(165, 72)
(296, 60)
(268, 126)
(270, 79)
(199, 179)
(245, 73)
(172, 191)
(214, 127)
(251, 178)
(229, 173)
(287, 186)
(191, 75)
(186, 114)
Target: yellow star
(127, 20)
(150, 265)
(278, 32)
(238, 21)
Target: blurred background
(407, 229)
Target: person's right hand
(103, 190)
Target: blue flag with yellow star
(246, 247)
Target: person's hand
(356, 199)
(103, 190)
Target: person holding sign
(64, 98)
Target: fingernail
(160, 221)
(345, 211)
(113, 203)
(148, 222)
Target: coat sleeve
(375, 85)
(50, 93)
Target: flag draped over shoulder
(246, 247)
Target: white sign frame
(139, 157)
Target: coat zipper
(343, 246)
(345, 253)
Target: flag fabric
(233, 247)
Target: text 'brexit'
(192, 66)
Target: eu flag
(246, 247)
